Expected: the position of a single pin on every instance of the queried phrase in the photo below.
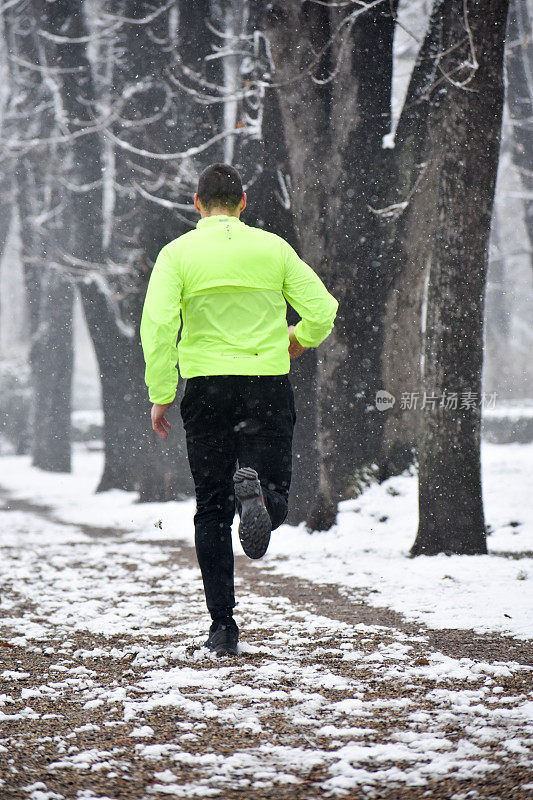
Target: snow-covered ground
(367, 550)
(106, 691)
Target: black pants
(230, 419)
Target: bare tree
(163, 136)
(409, 214)
(467, 102)
(6, 178)
(519, 64)
(130, 101)
(263, 159)
(99, 193)
(36, 154)
(332, 69)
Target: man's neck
(225, 212)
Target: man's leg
(212, 459)
(264, 440)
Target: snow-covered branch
(179, 156)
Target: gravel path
(106, 692)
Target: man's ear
(197, 203)
(243, 202)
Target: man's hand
(160, 425)
(295, 348)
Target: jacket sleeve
(160, 325)
(306, 293)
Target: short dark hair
(220, 185)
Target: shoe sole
(226, 652)
(255, 526)
(223, 651)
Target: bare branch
(470, 63)
(221, 53)
(208, 100)
(349, 20)
(9, 4)
(396, 209)
(192, 151)
(144, 20)
(37, 68)
(284, 185)
(80, 187)
(223, 35)
(54, 37)
(400, 24)
(341, 4)
(160, 201)
(200, 80)
(390, 212)
(22, 146)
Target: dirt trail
(326, 599)
(331, 696)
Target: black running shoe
(255, 525)
(223, 638)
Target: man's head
(220, 191)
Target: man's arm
(159, 332)
(306, 293)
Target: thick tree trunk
(335, 178)
(270, 207)
(450, 499)
(82, 232)
(143, 226)
(265, 165)
(112, 343)
(410, 211)
(134, 458)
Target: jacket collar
(208, 221)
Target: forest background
(368, 134)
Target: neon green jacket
(230, 281)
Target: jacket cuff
(161, 401)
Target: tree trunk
(172, 44)
(82, 234)
(51, 360)
(50, 292)
(335, 178)
(450, 499)
(112, 304)
(409, 213)
(112, 347)
(519, 64)
(265, 165)
(6, 190)
(6, 210)
(269, 206)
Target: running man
(230, 282)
